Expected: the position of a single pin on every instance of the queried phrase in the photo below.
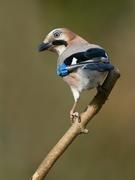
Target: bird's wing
(96, 53)
(99, 66)
(93, 59)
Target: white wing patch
(74, 61)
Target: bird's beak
(44, 46)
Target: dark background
(35, 103)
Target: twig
(78, 127)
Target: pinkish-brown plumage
(73, 50)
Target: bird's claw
(75, 116)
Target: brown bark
(77, 127)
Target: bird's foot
(74, 116)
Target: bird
(82, 65)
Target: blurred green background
(35, 103)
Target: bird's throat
(60, 49)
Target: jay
(81, 64)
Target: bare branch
(78, 127)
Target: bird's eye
(57, 34)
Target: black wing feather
(101, 67)
(85, 55)
(80, 56)
(92, 53)
(95, 52)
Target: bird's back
(81, 79)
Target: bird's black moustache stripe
(59, 42)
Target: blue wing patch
(62, 70)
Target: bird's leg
(73, 114)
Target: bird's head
(58, 40)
